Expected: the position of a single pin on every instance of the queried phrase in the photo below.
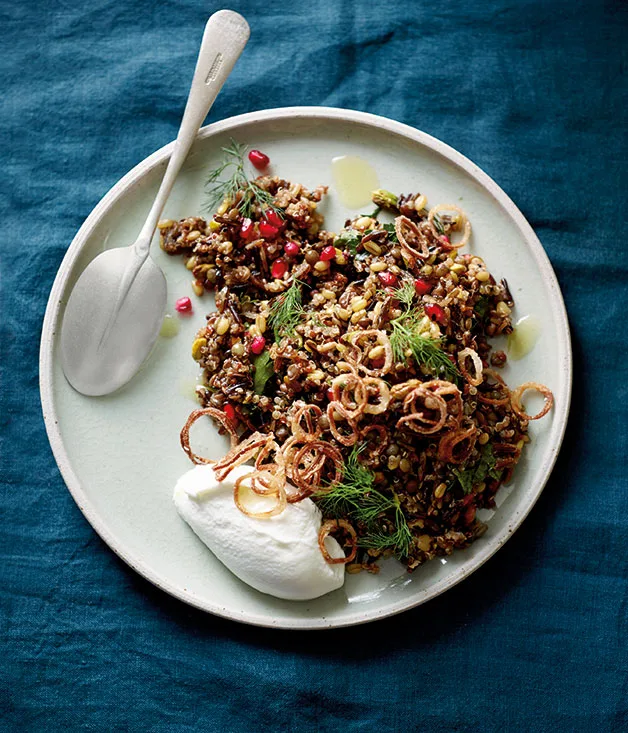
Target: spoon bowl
(114, 313)
(103, 345)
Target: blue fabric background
(534, 92)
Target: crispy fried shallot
(336, 411)
(462, 223)
(240, 454)
(330, 526)
(450, 393)
(265, 478)
(427, 411)
(304, 422)
(194, 416)
(361, 345)
(349, 390)
(476, 378)
(515, 400)
(456, 446)
(376, 388)
(496, 394)
(410, 236)
(309, 463)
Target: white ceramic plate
(120, 455)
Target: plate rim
(135, 175)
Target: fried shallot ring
(308, 481)
(382, 392)
(326, 529)
(399, 391)
(407, 231)
(276, 469)
(312, 431)
(280, 495)
(350, 392)
(358, 353)
(517, 407)
(494, 400)
(289, 450)
(194, 416)
(378, 444)
(428, 411)
(240, 454)
(452, 440)
(476, 378)
(450, 393)
(346, 439)
(467, 224)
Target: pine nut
(372, 248)
(378, 266)
(198, 288)
(440, 490)
(223, 325)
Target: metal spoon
(115, 311)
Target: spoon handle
(224, 39)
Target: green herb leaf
(355, 497)
(438, 224)
(481, 308)
(264, 370)
(409, 332)
(471, 476)
(405, 294)
(466, 478)
(374, 214)
(350, 239)
(229, 177)
(399, 540)
(286, 311)
(392, 234)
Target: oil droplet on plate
(170, 327)
(187, 388)
(354, 179)
(524, 337)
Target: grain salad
(354, 368)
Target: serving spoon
(114, 313)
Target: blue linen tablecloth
(535, 92)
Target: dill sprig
(355, 497)
(398, 540)
(286, 311)
(410, 331)
(227, 179)
(438, 224)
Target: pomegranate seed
(435, 313)
(259, 159)
(422, 286)
(292, 249)
(445, 239)
(183, 305)
(330, 394)
(328, 253)
(388, 279)
(229, 411)
(272, 217)
(279, 268)
(258, 344)
(267, 230)
(247, 230)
